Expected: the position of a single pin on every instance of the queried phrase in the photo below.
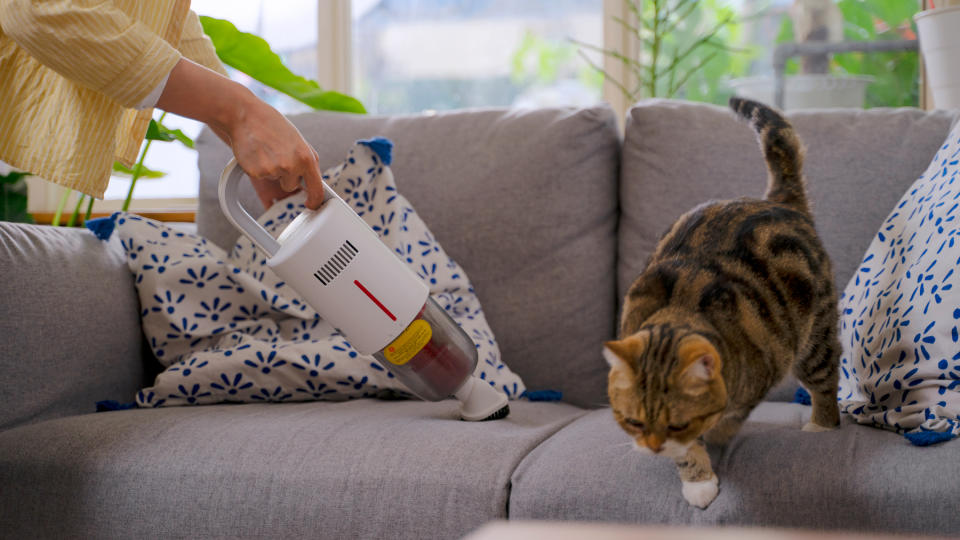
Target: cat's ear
(618, 354)
(699, 359)
(704, 367)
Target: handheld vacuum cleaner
(338, 264)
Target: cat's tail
(782, 150)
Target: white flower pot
(807, 91)
(939, 33)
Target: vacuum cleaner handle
(229, 193)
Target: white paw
(701, 494)
(817, 428)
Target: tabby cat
(735, 294)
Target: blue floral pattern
(901, 310)
(227, 329)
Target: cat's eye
(635, 423)
(679, 427)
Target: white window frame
(335, 46)
(617, 38)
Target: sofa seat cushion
(771, 474)
(356, 469)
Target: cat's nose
(654, 443)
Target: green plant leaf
(252, 55)
(896, 83)
(159, 132)
(893, 13)
(154, 133)
(13, 197)
(145, 172)
(858, 21)
(13, 177)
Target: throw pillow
(900, 313)
(227, 329)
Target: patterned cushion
(227, 329)
(901, 312)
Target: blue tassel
(926, 438)
(801, 396)
(111, 405)
(542, 395)
(383, 148)
(103, 227)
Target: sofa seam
(513, 470)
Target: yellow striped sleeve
(92, 43)
(196, 46)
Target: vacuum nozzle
(479, 401)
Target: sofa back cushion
(858, 163)
(678, 154)
(525, 201)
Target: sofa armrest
(70, 326)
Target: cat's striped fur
(736, 294)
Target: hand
(274, 154)
(267, 146)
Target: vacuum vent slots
(336, 264)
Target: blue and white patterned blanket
(227, 329)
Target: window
(493, 53)
(416, 55)
(410, 56)
(718, 47)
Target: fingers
(305, 173)
(313, 182)
(273, 187)
(290, 183)
(268, 191)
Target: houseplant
(815, 86)
(13, 196)
(686, 50)
(894, 74)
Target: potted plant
(685, 50)
(814, 87)
(940, 46)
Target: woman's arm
(267, 146)
(96, 45)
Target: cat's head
(665, 387)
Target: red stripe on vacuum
(375, 301)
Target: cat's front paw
(701, 494)
(817, 428)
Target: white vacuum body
(338, 264)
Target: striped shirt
(71, 72)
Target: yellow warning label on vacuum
(408, 343)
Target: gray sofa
(552, 215)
